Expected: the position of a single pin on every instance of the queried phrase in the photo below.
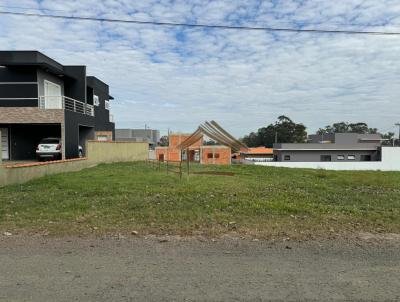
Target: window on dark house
(286, 157)
(326, 158)
(340, 157)
(365, 157)
(351, 157)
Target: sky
(176, 77)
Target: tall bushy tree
(163, 142)
(390, 140)
(344, 127)
(284, 130)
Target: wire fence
(182, 167)
(170, 166)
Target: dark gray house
(332, 147)
(138, 135)
(41, 98)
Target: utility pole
(276, 137)
(398, 125)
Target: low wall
(390, 162)
(24, 172)
(98, 152)
(109, 152)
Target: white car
(50, 148)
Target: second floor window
(96, 101)
(107, 105)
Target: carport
(19, 141)
(85, 133)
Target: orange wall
(176, 139)
(169, 153)
(223, 152)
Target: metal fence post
(187, 160)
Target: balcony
(63, 102)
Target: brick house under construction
(203, 154)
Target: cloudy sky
(177, 77)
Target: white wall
(390, 162)
(152, 154)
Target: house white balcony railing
(64, 102)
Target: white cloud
(175, 78)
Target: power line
(387, 129)
(198, 25)
(293, 22)
(35, 8)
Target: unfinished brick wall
(177, 138)
(220, 155)
(215, 155)
(166, 153)
(172, 152)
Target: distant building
(337, 147)
(138, 135)
(258, 154)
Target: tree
(210, 143)
(163, 142)
(388, 139)
(344, 127)
(284, 130)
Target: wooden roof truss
(216, 133)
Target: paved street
(133, 269)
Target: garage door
(4, 143)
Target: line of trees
(285, 130)
(344, 127)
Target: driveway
(154, 269)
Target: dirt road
(138, 269)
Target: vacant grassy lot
(257, 201)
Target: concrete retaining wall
(108, 152)
(98, 152)
(22, 173)
(390, 162)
